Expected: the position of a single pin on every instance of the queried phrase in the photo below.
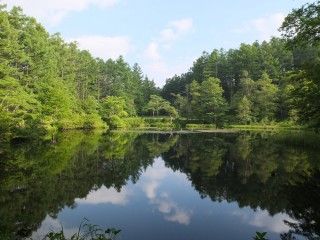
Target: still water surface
(163, 186)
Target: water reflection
(153, 177)
(105, 195)
(262, 219)
(268, 182)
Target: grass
(273, 126)
(165, 123)
(86, 231)
(200, 126)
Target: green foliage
(301, 29)
(268, 126)
(244, 110)
(157, 104)
(135, 122)
(19, 110)
(264, 99)
(200, 126)
(159, 123)
(228, 66)
(47, 84)
(260, 236)
(211, 102)
(113, 111)
(250, 99)
(255, 169)
(260, 83)
(93, 121)
(205, 101)
(86, 231)
(301, 26)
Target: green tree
(19, 110)
(194, 99)
(113, 110)
(157, 104)
(301, 29)
(301, 26)
(212, 103)
(67, 84)
(182, 105)
(265, 99)
(241, 103)
(244, 111)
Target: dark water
(162, 186)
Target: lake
(163, 186)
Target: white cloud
(182, 25)
(262, 28)
(275, 224)
(154, 176)
(168, 35)
(150, 189)
(262, 219)
(51, 224)
(180, 216)
(53, 11)
(152, 52)
(160, 70)
(105, 47)
(174, 30)
(105, 195)
(161, 200)
(156, 64)
(170, 210)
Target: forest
(48, 84)
(276, 81)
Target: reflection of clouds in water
(105, 195)
(154, 175)
(171, 211)
(262, 219)
(102, 195)
(150, 189)
(50, 224)
(180, 217)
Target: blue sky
(163, 36)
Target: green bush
(135, 122)
(86, 231)
(160, 123)
(93, 121)
(74, 122)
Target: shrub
(135, 122)
(93, 121)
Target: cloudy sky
(163, 36)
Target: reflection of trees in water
(278, 173)
(40, 178)
(255, 170)
(304, 206)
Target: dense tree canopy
(301, 26)
(277, 80)
(47, 84)
(158, 105)
(301, 29)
